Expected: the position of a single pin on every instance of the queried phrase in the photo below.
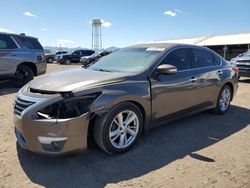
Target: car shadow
(6, 88)
(154, 150)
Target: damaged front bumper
(48, 136)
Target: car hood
(75, 79)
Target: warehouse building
(228, 46)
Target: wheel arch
(231, 87)
(94, 115)
(31, 65)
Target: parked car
(50, 57)
(242, 61)
(127, 92)
(88, 60)
(21, 58)
(74, 56)
(94, 57)
(58, 55)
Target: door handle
(219, 72)
(193, 79)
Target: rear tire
(117, 131)
(22, 76)
(224, 99)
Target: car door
(174, 93)
(209, 73)
(85, 53)
(8, 61)
(76, 56)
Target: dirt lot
(204, 150)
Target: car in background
(50, 57)
(57, 55)
(120, 96)
(242, 61)
(21, 58)
(88, 60)
(74, 56)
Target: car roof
(14, 34)
(166, 46)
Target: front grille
(244, 61)
(243, 66)
(21, 105)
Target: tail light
(40, 58)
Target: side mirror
(166, 69)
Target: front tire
(22, 76)
(224, 99)
(50, 60)
(117, 131)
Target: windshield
(128, 60)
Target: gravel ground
(204, 150)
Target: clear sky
(126, 22)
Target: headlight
(68, 108)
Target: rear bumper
(41, 68)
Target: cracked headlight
(68, 108)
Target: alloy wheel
(225, 98)
(124, 129)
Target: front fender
(137, 92)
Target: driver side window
(180, 58)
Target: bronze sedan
(123, 94)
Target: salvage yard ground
(204, 150)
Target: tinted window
(30, 43)
(6, 42)
(86, 52)
(217, 60)
(180, 58)
(202, 58)
(90, 52)
(77, 52)
(61, 52)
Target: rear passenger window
(89, 52)
(179, 58)
(31, 43)
(202, 58)
(217, 60)
(6, 42)
(3, 44)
